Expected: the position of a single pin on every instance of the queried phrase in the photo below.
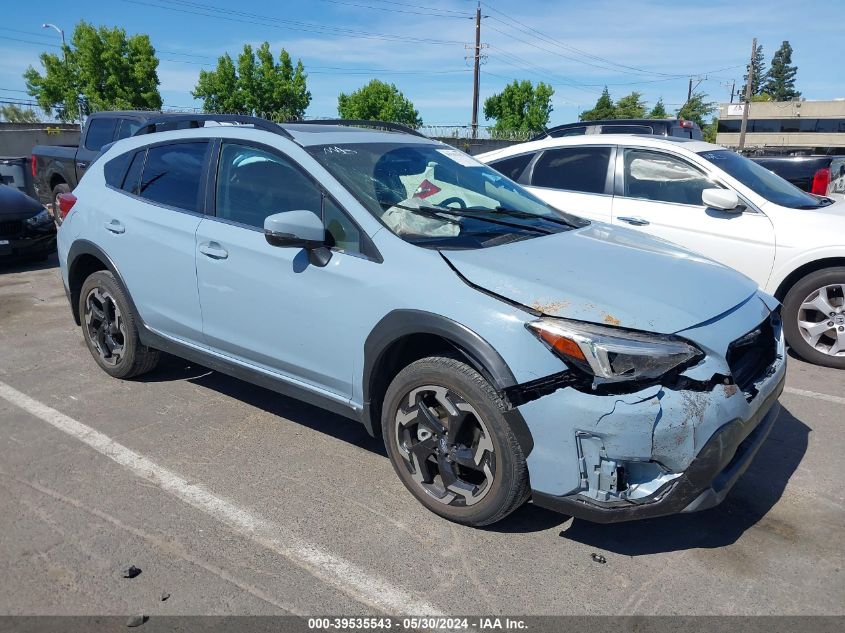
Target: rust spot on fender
(549, 307)
(611, 320)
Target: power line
(430, 11)
(192, 8)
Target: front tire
(814, 317)
(110, 330)
(450, 444)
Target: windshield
(438, 197)
(763, 182)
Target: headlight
(42, 217)
(613, 354)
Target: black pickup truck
(820, 175)
(58, 168)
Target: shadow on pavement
(757, 491)
(27, 265)
(754, 495)
(172, 368)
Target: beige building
(813, 125)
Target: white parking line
(333, 570)
(814, 395)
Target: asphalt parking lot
(235, 500)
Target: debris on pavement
(164, 596)
(598, 558)
(136, 620)
(131, 572)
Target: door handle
(213, 250)
(115, 227)
(82, 165)
(634, 221)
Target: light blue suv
(504, 350)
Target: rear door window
(573, 169)
(663, 178)
(512, 167)
(100, 132)
(172, 175)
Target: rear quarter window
(115, 170)
(581, 169)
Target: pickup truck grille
(11, 228)
(750, 356)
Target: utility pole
(476, 70)
(747, 105)
(733, 90)
(689, 90)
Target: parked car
(819, 175)
(711, 201)
(56, 169)
(17, 172)
(503, 350)
(26, 229)
(660, 127)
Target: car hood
(15, 205)
(606, 274)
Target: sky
(652, 46)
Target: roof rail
(153, 123)
(379, 125)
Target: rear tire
(110, 330)
(58, 190)
(814, 317)
(450, 444)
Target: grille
(11, 227)
(750, 356)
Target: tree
(16, 114)
(101, 69)
(659, 110)
(758, 64)
(780, 82)
(258, 85)
(630, 106)
(521, 106)
(697, 109)
(604, 108)
(380, 102)
(709, 131)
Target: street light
(64, 54)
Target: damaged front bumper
(675, 447)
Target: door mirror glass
(295, 229)
(721, 199)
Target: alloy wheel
(445, 446)
(104, 325)
(821, 319)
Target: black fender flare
(480, 354)
(84, 247)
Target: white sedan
(712, 201)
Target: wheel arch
(403, 336)
(802, 271)
(85, 258)
(57, 179)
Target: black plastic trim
(400, 323)
(84, 247)
(711, 475)
(254, 376)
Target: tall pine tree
(757, 81)
(604, 108)
(780, 82)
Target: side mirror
(721, 199)
(295, 229)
